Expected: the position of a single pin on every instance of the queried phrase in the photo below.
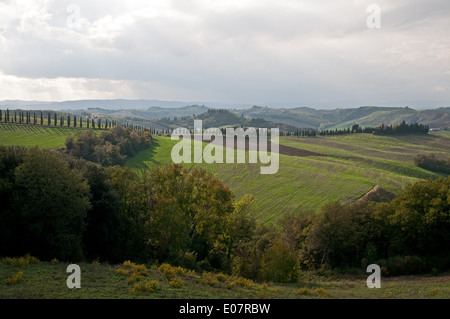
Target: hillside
(288, 119)
(42, 136)
(348, 167)
(221, 118)
(343, 118)
(166, 114)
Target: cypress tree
(42, 119)
(61, 121)
(87, 122)
(49, 119)
(55, 119)
(93, 124)
(68, 120)
(81, 121)
(75, 121)
(1, 116)
(7, 115)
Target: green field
(35, 135)
(351, 166)
(46, 280)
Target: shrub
(14, 278)
(280, 263)
(170, 271)
(122, 272)
(134, 277)
(221, 277)
(177, 282)
(20, 261)
(402, 266)
(210, 279)
(243, 282)
(322, 292)
(96, 261)
(304, 291)
(145, 286)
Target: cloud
(295, 52)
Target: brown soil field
(283, 149)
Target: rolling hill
(349, 167)
(343, 118)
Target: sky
(321, 53)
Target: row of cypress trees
(27, 117)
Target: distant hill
(221, 118)
(117, 104)
(343, 118)
(293, 118)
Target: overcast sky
(317, 53)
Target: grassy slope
(44, 280)
(30, 135)
(353, 165)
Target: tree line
(53, 119)
(432, 163)
(394, 129)
(108, 148)
(56, 205)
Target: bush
(177, 282)
(14, 279)
(20, 261)
(145, 286)
(280, 263)
(304, 291)
(170, 271)
(403, 266)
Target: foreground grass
(44, 280)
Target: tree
(417, 220)
(280, 262)
(187, 206)
(238, 227)
(338, 235)
(52, 216)
(104, 220)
